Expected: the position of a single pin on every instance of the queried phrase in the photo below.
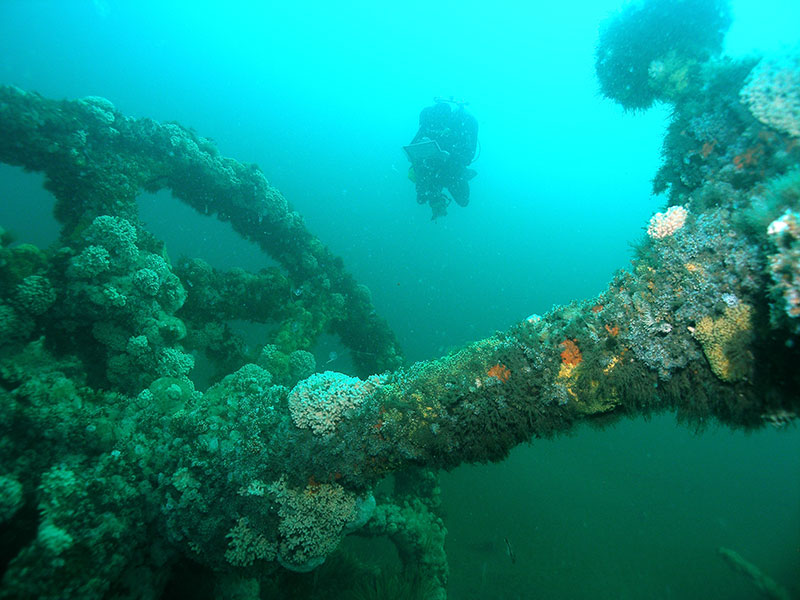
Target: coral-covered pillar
(687, 329)
(96, 161)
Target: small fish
(510, 552)
(332, 357)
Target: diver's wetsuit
(456, 132)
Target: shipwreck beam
(96, 161)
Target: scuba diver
(440, 153)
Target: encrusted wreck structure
(116, 473)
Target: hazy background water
(322, 97)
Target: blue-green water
(322, 97)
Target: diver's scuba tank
(450, 100)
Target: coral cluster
(570, 356)
(248, 545)
(499, 372)
(419, 534)
(784, 266)
(649, 50)
(726, 341)
(670, 76)
(29, 292)
(125, 297)
(772, 93)
(313, 521)
(320, 402)
(11, 499)
(665, 224)
(713, 139)
(701, 271)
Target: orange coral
(500, 372)
(748, 158)
(571, 355)
(597, 308)
(708, 148)
(612, 331)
